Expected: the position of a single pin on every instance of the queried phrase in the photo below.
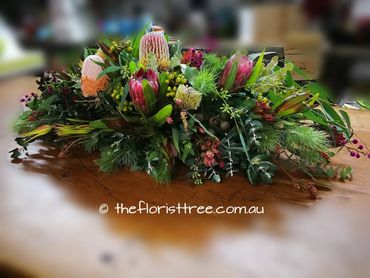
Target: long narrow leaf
(256, 70)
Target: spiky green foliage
(205, 81)
(119, 154)
(214, 62)
(270, 139)
(306, 142)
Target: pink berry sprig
(27, 98)
(357, 149)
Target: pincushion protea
(244, 70)
(90, 85)
(154, 43)
(136, 88)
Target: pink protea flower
(244, 70)
(90, 85)
(136, 87)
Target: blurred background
(329, 39)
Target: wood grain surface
(50, 225)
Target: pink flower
(136, 87)
(244, 70)
(178, 101)
(169, 120)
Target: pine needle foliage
(306, 142)
(119, 154)
(270, 139)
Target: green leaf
(364, 104)
(15, 153)
(189, 73)
(346, 173)
(98, 124)
(252, 174)
(289, 79)
(46, 104)
(162, 83)
(315, 117)
(300, 72)
(256, 70)
(132, 66)
(232, 75)
(109, 70)
(175, 138)
(316, 88)
(346, 118)
(332, 114)
(149, 95)
(160, 117)
(136, 41)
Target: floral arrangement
(147, 105)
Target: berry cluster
(117, 95)
(28, 98)
(193, 58)
(122, 45)
(263, 108)
(339, 138)
(173, 81)
(358, 149)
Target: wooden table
(50, 225)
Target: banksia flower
(244, 70)
(136, 88)
(154, 43)
(90, 85)
(187, 98)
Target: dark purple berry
(358, 155)
(354, 141)
(368, 155)
(352, 153)
(23, 100)
(360, 147)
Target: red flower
(244, 70)
(193, 57)
(136, 87)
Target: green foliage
(160, 117)
(270, 139)
(306, 142)
(117, 155)
(214, 62)
(205, 81)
